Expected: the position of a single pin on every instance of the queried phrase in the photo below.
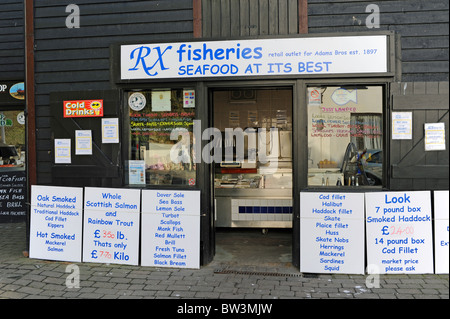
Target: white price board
(332, 233)
(399, 232)
(170, 229)
(441, 238)
(111, 225)
(56, 223)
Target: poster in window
(161, 101)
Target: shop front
(253, 123)
(13, 176)
(290, 134)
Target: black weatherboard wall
(422, 24)
(424, 29)
(12, 58)
(12, 52)
(78, 59)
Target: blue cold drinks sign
(263, 57)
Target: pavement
(25, 278)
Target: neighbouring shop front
(13, 175)
(286, 132)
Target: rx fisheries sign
(293, 56)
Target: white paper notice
(399, 233)
(62, 151)
(110, 130)
(441, 238)
(56, 223)
(170, 229)
(332, 233)
(83, 142)
(401, 125)
(434, 137)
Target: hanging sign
(399, 233)
(170, 229)
(332, 233)
(263, 57)
(56, 223)
(111, 225)
(441, 238)
(83, 108)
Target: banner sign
(263, 57)
(399, 232)
(332, 233)
(111, 225)
(83, 108)
(170, 229)
(56, 223)
(441, 240)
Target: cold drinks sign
(264, 57)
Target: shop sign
(13, 196)
(170, 229)
(111, 225)
(399, 232)
(12, 92)
(262, 57)
(56, 223)
(332, 233)
(83, 108)
(441, 238)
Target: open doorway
(253, 178)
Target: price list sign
(441, 217)
(56, 223)
(399, 232)
(332, 233)
(111, 225)
(170, 229)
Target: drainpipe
(30, 101)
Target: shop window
(12, 140)
(154, 157)
(345, 129)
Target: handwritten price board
(399, 232)
(332, 233)
(56, 223)
(441, 217)
(111, 225)
(170, 229)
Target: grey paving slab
(25, 278)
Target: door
(251, 128)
